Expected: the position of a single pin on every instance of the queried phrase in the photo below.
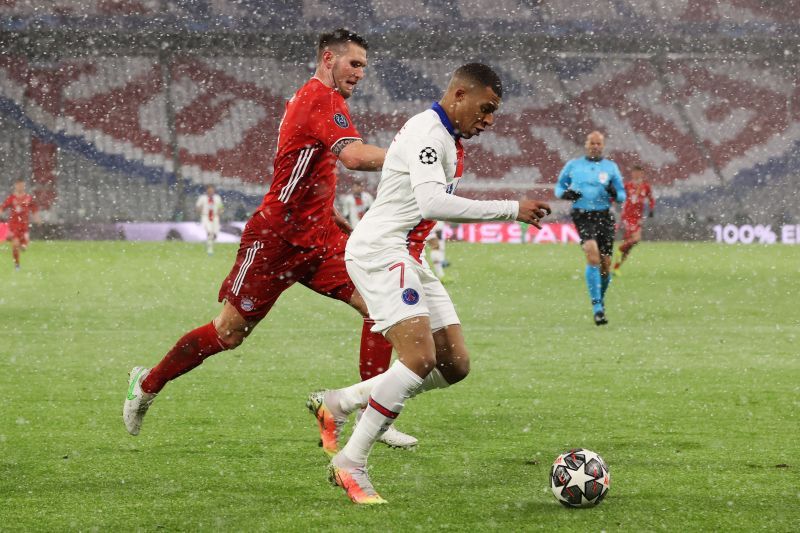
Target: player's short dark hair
(637, 167)
(483, 74)
(340, 36)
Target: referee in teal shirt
(591, 183)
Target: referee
(591, 183)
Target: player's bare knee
(426, 361)
(456, 369)
(231, 339)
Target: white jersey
(422, 151)
(210, 208)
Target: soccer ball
(579, 478)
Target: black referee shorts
(596, 226)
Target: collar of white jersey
(445, 120)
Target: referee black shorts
(596, 226)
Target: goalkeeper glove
(571, 195)
(611, 190)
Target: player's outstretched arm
(435, 204)
(357, 155)
(532, 211)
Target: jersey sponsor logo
(410, 297)
(340, 120)
(247, 304)
(428, 156)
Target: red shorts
(19, 232)
(630, 227)
(266, 265)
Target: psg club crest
(410, 297)
(428, 156)
(340, 120)
(247, 304)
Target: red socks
(376, 352)
(15, 253)
(203, 342)
(188, 352)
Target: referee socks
(594, 284)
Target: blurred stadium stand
(124, 109)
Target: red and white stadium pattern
(691, 122)
(676, 11)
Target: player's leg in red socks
(189, 352)
(15, 254)
(376, 352)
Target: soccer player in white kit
(209, 205)
(409, 304)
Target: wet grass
(691, 395)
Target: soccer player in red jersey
(296, 235)
(22, 207)
(639, 192)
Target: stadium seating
(549, 16)
(695, 122)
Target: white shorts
(211, 227)
(400, 288)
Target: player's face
(476, 113)
(19, 188)
(349, 62)
(210, 191)
(595, 145)
(637, 175)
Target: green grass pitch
(690, 394)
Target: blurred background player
(22, 206)
(638, 192)
(384, 258)
(591, 183)
(295, 235)
(356, 203)
(436, 246)
(209, 206)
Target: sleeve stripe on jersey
(297, 173)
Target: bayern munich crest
(428, 156)
(410, 297)
(247, 304)
(340, 120)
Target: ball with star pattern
(579, 478)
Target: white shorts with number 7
(399, 288)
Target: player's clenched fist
(531, 211)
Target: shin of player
(408, 302)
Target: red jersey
(638, 194)
(21, 209)
(299, 204)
